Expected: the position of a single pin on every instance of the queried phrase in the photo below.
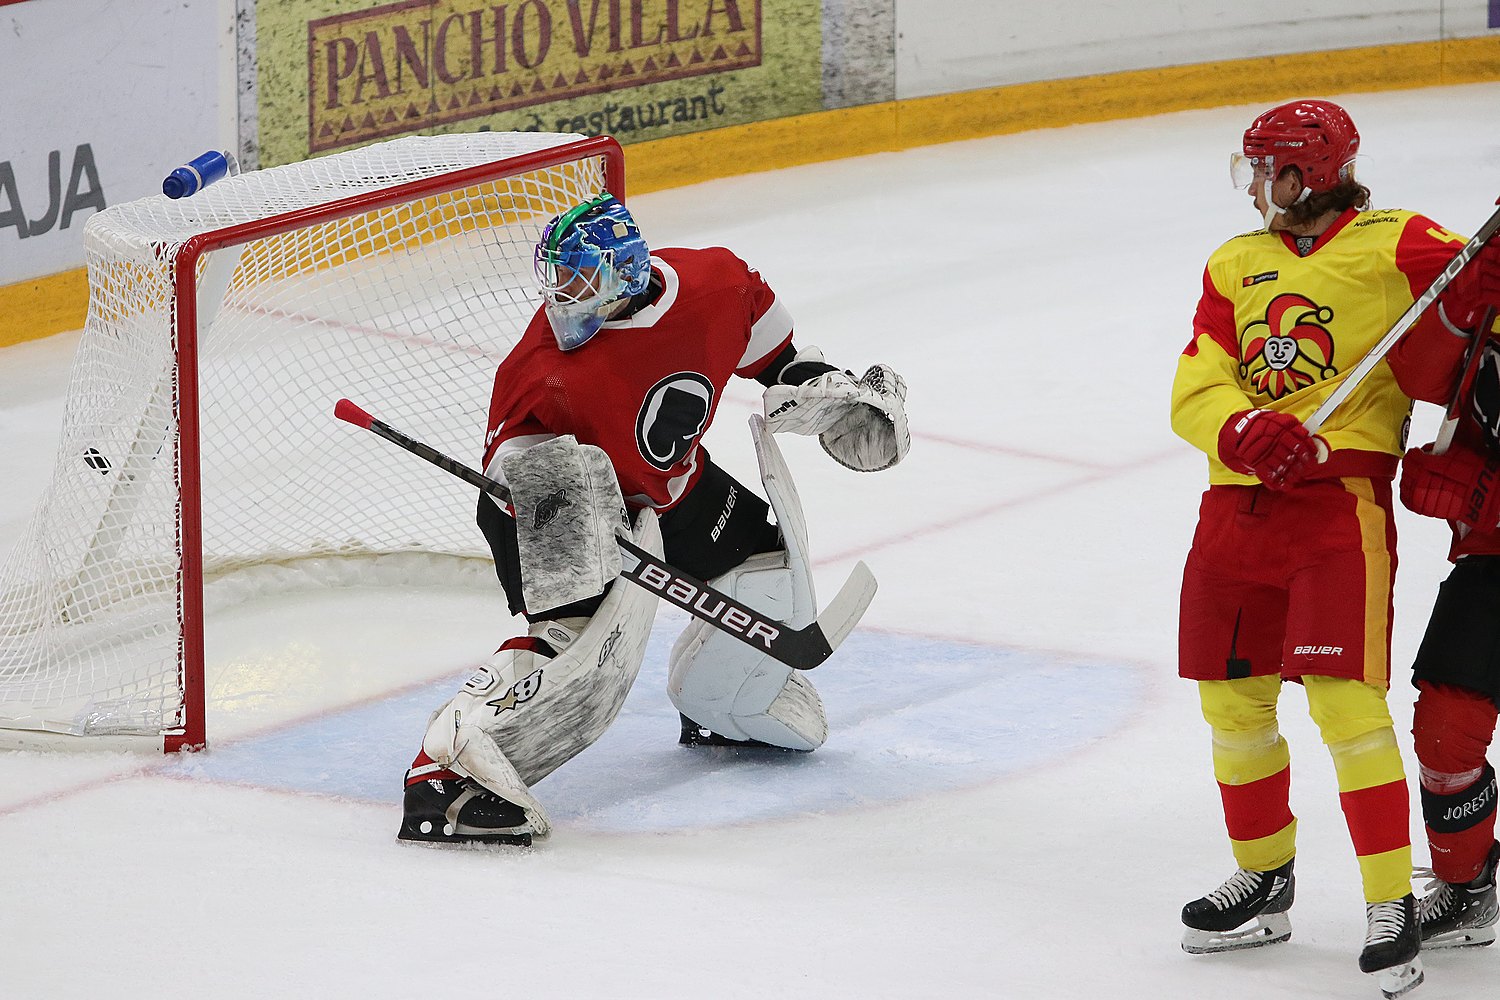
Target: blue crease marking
(908, 716)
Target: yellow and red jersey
(1278, 330)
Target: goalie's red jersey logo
(1290, 349)
(672, 417)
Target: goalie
(594, 426)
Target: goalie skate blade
(412, 833)
(1400, 980)
(1269, 928)
(1466, 937)
(466, 842)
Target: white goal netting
(405, 306)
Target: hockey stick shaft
(801, 649)
(1407, 320)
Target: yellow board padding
(876, 128)
(40, 307)
(44, 306)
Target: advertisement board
(100, 100)
(946, 46)
(332, 74)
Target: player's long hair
(1344, 195)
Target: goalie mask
(588, 259)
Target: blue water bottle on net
(198, 173)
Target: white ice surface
(1017, 796)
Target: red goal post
(197, 440)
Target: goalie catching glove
(861, 423)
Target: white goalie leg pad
(726, 686)
(523, 715)
(568, 508)
(470, 752)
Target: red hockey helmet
(1316, 137)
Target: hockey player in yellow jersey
(1291, 568)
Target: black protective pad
(499, 530)
(717, 526)
(1485, 397)
(1463, 810)
(1462, 642)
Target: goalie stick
(800, 649)
(1407, 320)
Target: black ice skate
(1461, 914)
(694, 735)
(1247, 911)
(443, 808)
(1392, 940)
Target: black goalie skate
(1392, 940)
(1247, 911)
(1461, 914)
(694, 735)
(446, 809)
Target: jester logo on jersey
(1290, 349)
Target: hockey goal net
(198, 437)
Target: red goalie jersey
(645, 388)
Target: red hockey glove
(1476, 289)
(1273, 447)
(1455, 486)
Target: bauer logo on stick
(710, 608)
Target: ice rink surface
(1016, 798)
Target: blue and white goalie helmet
(588, 259)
